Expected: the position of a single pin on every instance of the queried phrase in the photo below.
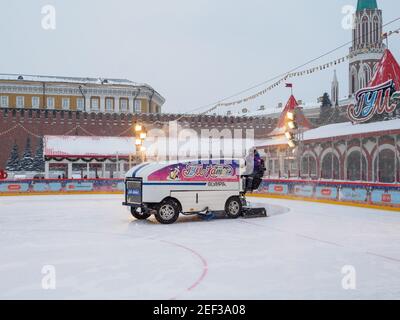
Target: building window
(356, 167)
(138, 106)
(365, 30)
(94, 104)
(385, 166)
(65, 103)
(330, 167)
(4, 101)
(80, 104)
(20, 102)
(50, 103)
(109, 104)
(308, 166)
(124, 104)
(35, 102)
(376, 30)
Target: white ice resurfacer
(191, 187)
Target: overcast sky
(194, 52)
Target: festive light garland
(19, 125)
(294, 75)
(9, 130)
(282, 80)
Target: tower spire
(368, 46)
(367, 4)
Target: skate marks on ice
(96, 253)
(101, 252)
(377, 220)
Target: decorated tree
(326, 110)
(38, 160)
(13, 163)
(27, 160)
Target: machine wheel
(233, 208)
(139, 215)
(167, 212)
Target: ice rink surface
(100, 252)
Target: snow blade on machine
(254, 213)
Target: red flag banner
(289, 85)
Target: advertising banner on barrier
(388, 198)
(79, 186)
(278, 189)
(344, 191)
(60, 186)
(46, 187)
(12, 187)
(302, 190)
(353, 194)
(326, 192)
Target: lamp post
(140, 137)
(294, 135)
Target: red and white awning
(84, 147)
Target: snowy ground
(100, 252)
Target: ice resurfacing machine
(192, 188)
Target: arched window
(308, 166)
(376, 30)
(330, 167)
(355, 34)
(356, 167)
(367, 75)
(385, 166)
(354, 81)
(361, 79)
(365, 30)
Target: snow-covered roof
(338, 130)
(348, 129)
(80, 80)
(259, 110)
(77, 146)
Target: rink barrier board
(66, 186)
(371, 195)
(360, 194)
(332, 202)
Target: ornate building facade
(367, 44)
(78, 94)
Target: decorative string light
(281, 81)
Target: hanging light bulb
(289, 136)
(292, 125)
(290, 116)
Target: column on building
(87, 169)
(47, 169)
(131, 106)
(103, 170)
(69, 172)
(87, 104)
(116, 104)
(102, 103)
